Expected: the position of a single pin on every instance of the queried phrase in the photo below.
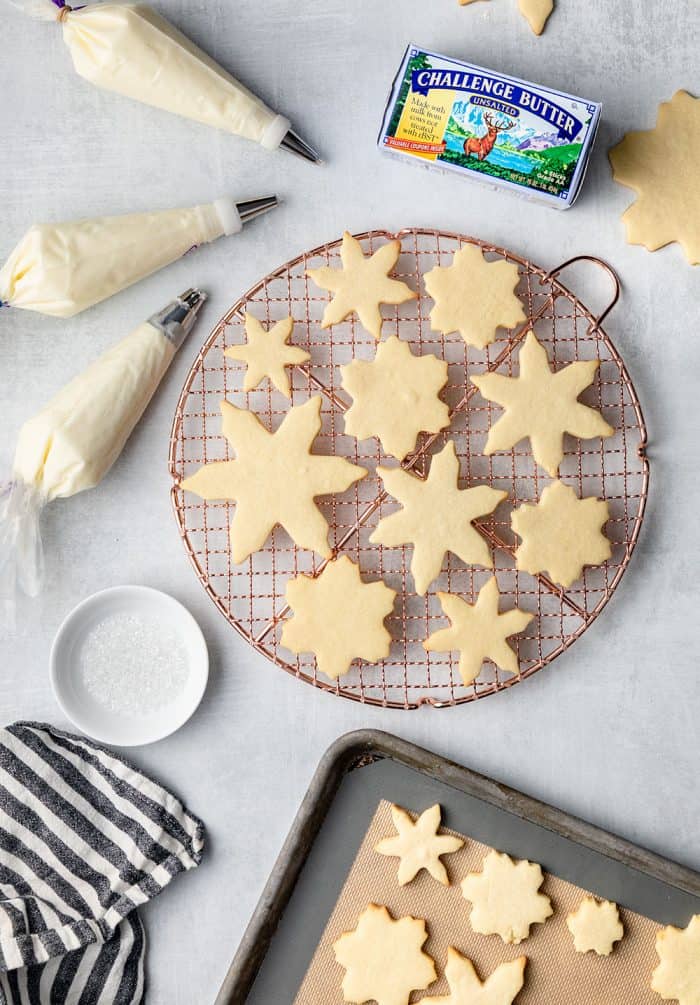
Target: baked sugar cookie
(383, 958)
(436, 517)
(362, 284)
(661, 165)
(338, 617)
(478, 632)
(474, 297)
(677, 977)
(505, 899)
(541, 405)
(561, 534)
(536, 12)
(595, 926)
(500, 988)
(395, 396)
(274, 479)
(418, 845)
(266, 354)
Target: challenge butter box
(453, 116)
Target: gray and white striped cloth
(84, 839)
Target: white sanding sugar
(132, 664)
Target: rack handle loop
(553, 275)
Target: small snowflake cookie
(418, 845)
(383, 958)
(266, 354)
(505, 898)
(536, 12)
(395, 396)
(362, 284)
(595, 926)
(500, 988)
(677, 977)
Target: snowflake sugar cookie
(362, 284)
(677, 976)
(383, 958)
(661, 166)
(536, 12)
(338, 617)
(266, 354)
(474, 297)
(541, 405)
(418, 845)
(500, 988)
(561, 534)
(436, 517)
(505, 899)
(478, 632)
(274, 479)
(595, 926)
(395, 396)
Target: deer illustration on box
(482, 146)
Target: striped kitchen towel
(84, 839)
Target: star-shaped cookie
(677, 976)
(274, 479)
(266, 354)
(661, 166)
(505, 899)
(395, 396)
(383, 958)
(436, 517)
(500, 988)
(541, 405)
(418, 845)
(536, 12)
(474, 297)
(478, 632)
(595, 926)
(338, 617)
(362, 284)
(561, 534)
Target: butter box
(452, 116)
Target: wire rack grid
(252, 596)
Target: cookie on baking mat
(677, 977)
(505, 898)
(474, 297)
(395, 396)
(661, 165)
(383, 958)
(338, 617)
(436, 517)
(541, 406)
(536, 13)
(418, 845)
(274, 479)
(561, 534)
(478, 632)
(266, 354)
(500, 988)
(595, 926)
(362, 285)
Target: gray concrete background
(611, 731)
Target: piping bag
(130, 49)
(63, 268)
(71, 444)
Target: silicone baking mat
(252, 595)
(554, 971)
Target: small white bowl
(99, 720)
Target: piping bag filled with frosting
(71, 443)
(63, 268)
(130, 49)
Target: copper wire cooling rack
(251, 595)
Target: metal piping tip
(251, 208)
(297, 146)
(177, 319)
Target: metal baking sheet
(360, 770)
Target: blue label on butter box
(459, 117)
